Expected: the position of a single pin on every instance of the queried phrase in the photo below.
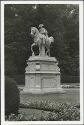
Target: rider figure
(43, 31)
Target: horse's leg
(46, 51)
(49, 52)
(32, 49)
(39, 50)
(39, 45)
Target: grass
(49, 107)
(31, 113)
(71, 95)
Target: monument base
(40, 91)
(42, 76)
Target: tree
(61, 21)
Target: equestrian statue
(41, 39)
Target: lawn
(29, 113)
(71, 95)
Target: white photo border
(3, 122)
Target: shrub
(66, 113)
(12, 98)
(13, 117)
(55, 111)
(20, 117)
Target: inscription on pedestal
(48, 83)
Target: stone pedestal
(42, 75)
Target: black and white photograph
(41, 62)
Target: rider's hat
(40, 25)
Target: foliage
(11, 97)
(70, 79)
(61, 21)
(64, 114)
(13, 117)
(46, 105)
(55, 112)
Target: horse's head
(34, 31)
